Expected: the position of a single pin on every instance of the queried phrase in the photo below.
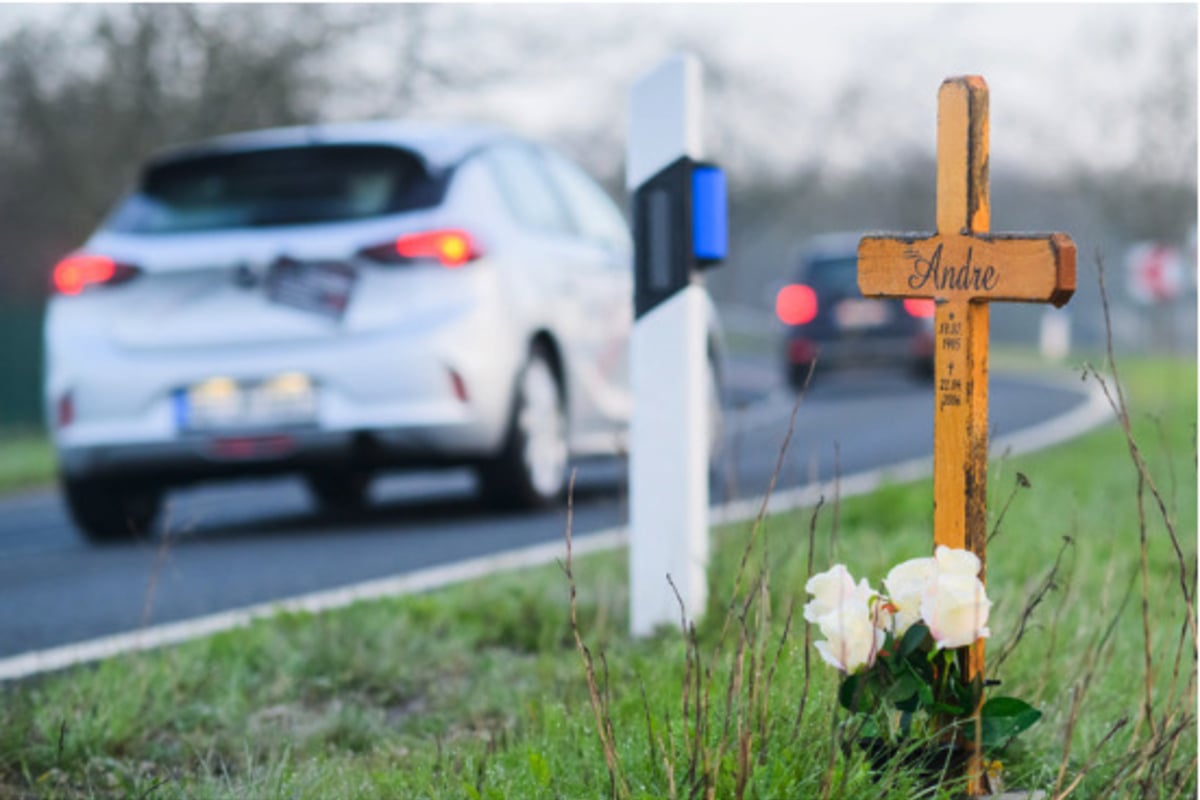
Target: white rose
(955, 607)
(957, 562)
(852, 638)
(881, 612)
(832, 590)
(905, 584)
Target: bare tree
(83, 103)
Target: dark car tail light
(922, 344)
(796, 304)
(78, 271)
(65, 412)
(450, 247)
(458, 385)
(801, 351)
(921, 309)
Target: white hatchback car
(334, 301)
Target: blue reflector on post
(710, 225)
(179, 407)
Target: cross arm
(980, 267)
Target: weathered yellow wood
(962, 156)
(960, 436)
(960, 393)
(980, 267)
(963, 268)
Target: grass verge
(479, 691)
(26, 459)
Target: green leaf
(922, 676)
(848, 690)
(925, 694)
(1002, 718)
(909, 704)
(921, 668)
(893, 662)
(903, 690)
(855, 694)
(913, 638)
(968, 695)
(1005, 707)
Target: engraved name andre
(931, 274)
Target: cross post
(963, 268)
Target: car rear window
(286, 186)
(833, 276)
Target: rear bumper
(864, 351)
(193, 458)
(381, 401)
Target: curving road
(236, 545)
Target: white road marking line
(1094, 412)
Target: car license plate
(858, 314)
(284, 401)
(322, 287)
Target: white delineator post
(1054, 338)
(669, 440)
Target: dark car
(828, 320)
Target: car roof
(830, 246)
(438, 144)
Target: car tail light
(922, 344)
(66, 409)
(450, 247)
(458, 385)
(801, 351)
(796, 304)
(78, 271)
(921, 309)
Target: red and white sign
(1154, 272)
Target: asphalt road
(239, 544)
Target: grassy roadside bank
(479, 691)
(26, 460)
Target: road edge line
(1092, 413)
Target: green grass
(478, 690)
(26, 459)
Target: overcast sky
(1071, 84)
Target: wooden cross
(963, 268)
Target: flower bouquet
(902, 656)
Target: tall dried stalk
(705, 764)
(1022, 482)
(618, 787)
(1115, 395)
(812, 538)
(1047, 584)
(1121, 409)
(1147, 764)
(1080, 690)
(766, 693)
(762, 510)
(160, 562)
